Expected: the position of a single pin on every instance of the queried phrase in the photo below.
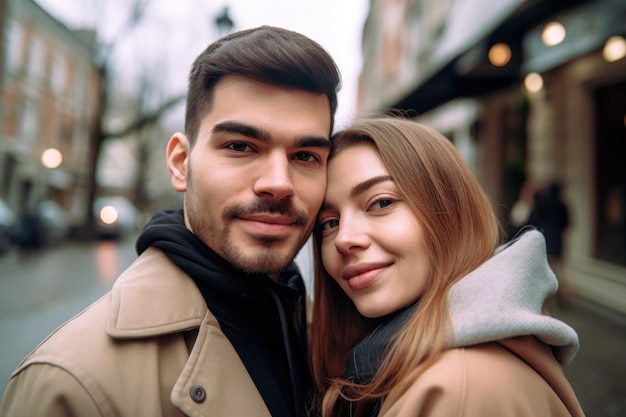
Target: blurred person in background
(550, 216)
(520, 212)
(419, 310)
(210, 319)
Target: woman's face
(372, 243)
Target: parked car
(8, 227)
(48, 224)
(115, 217)
(55, 221)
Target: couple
(417, 310)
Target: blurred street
(598, 371)
(40, 291)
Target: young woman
(418, 311)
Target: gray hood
(504, 297)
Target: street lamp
(223, 22)
(51, 158)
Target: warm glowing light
(107, 261)
(108, 214)
(533, 82)
(52, 158)
(553, 34)
(614, 49)
(499, 54)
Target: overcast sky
(173, 32)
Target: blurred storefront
(467, 68)
(49, 90)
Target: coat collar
(154, 297)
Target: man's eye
(305, 157)
(239, 146)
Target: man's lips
(269, 225)
(269, 218)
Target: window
(58, 74)
(610, 242)
(14, 44)
(29, 120)
(36, 58)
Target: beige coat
(150, 347)
(516, 377)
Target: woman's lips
(362, 275)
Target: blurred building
(528, 91)
(49, 96)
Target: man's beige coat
(150, 347)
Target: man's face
(256, 176)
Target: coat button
(197, 393)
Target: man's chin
(264, 261)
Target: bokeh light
(553, 34)
(108, 214)
(614, 49)
(533, 82)
(52, 158)
(499, 54)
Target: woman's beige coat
(516, 377)
(506, 358)
(148, 348)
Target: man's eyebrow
(367, 184)
(313, 142)
(243, 129)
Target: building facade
(49, 96)
(471, 77)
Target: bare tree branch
(144, 120)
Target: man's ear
(177, 158)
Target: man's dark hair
(266, 54)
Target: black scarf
(264, 320)
(365, 358)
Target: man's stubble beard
(215, 233)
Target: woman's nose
(351, 236)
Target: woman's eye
(381, 204)
(239, 146)
(328, 224)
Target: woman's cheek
(329, 257)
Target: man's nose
(275, 179)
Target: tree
(99, 132)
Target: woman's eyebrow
(367, 184)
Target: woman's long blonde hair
(461, 231)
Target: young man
(209, 320)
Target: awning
(469, 23)
(461, 66)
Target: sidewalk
(598, 373)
